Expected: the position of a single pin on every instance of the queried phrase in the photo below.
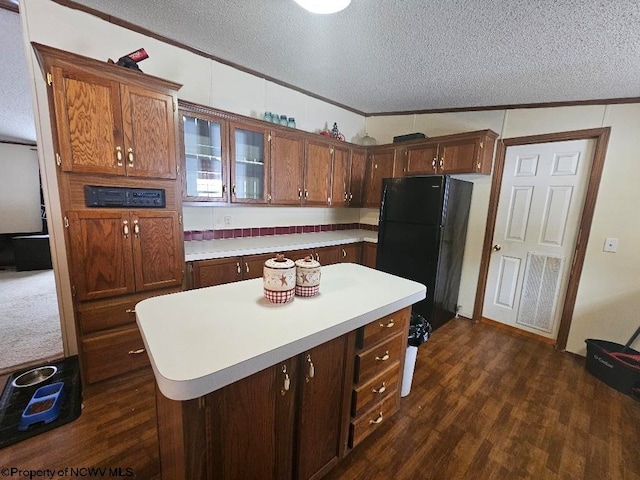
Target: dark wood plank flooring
(485, 404)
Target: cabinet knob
(382, 389)
(125, 228)
(119, 155)
(306, 193)
(130, 310)
(246, 267)
(389, 324)
(238, 268)
(137, 352)
(344, 253)
(377, 420)
(233, 190)
(442, 163)
(130, 156)
(311, 371)
(300, 194)
(136, 228)
(286, 384)
(383, 358)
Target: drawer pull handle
(312, 370)
(238, 267)
(119, 155)
(130, 156)
(383, 358)
(137, 352)
(389, 324)
(287, 381)
(344, 253)
(246, 267)
(377, 420)
(382, 389)
(130, 310)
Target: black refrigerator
(421, 237)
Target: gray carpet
(29, 318)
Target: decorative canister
(279, 276)
(307, 277)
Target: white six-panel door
(541, 198)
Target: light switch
(610, 245)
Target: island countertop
(201, 340)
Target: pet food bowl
(44, 406)
(34, 376)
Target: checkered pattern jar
(307, 277)
(279, 278)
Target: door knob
(497, 247)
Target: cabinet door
(252, 425)
(317, 173)
(205, 158)
(149, 125)
(249, 162)
(380, 165)
(287, 165)
(369, 251)
(327, 255)
(458, 156)
(421, 159)
(101, 263)
(350, 253)
(157, 248)
(207, 273)
(252, 265)
(340, 177)
(322, 380)
(88, 122)
(356, 184)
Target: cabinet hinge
(175, 107)
(269, 138)
(331, 150)
(178, 169)
(49, 79)
(66, 222)
(180, 219)
(481, 144)
(58, 159)
(73, 290)
(269, 197)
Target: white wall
(19, 189)
(608, 298)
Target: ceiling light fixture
(323, 6)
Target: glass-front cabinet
(205, 155)
(249, 163)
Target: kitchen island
(248, 389)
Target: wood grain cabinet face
(380, 165)
(256, 422)
(106, 127)
(218, 271)
(317, 173)
(341, 177)
(117, 252)
(369, 252)
(421, 160)
(458, 157)
(350, 253)
(287, 169)
(357, 174)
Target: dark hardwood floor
(484, 404)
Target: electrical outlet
(610, 245)
(227, 220)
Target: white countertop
(232, 247)
(201, 340)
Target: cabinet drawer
(383, 328)
(361, 427)
(113, 353)
(378, 358)
(378, 388)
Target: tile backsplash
(207, 222)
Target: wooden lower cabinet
(369, 252)
(295, 419)
(350, 253)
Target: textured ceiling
(391, 55)
(398, 55)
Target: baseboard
(517, 331)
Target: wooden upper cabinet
(157, 249)
(101, 256)
(205, 157)
(472, 153)
(380, 165)
(149, 122)
(249, 160)
(88, 122)
(317, 173)
(356, 183)
(341, 177)
(116, 252)
(107, 127)
(287, 168)
(420, 159)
